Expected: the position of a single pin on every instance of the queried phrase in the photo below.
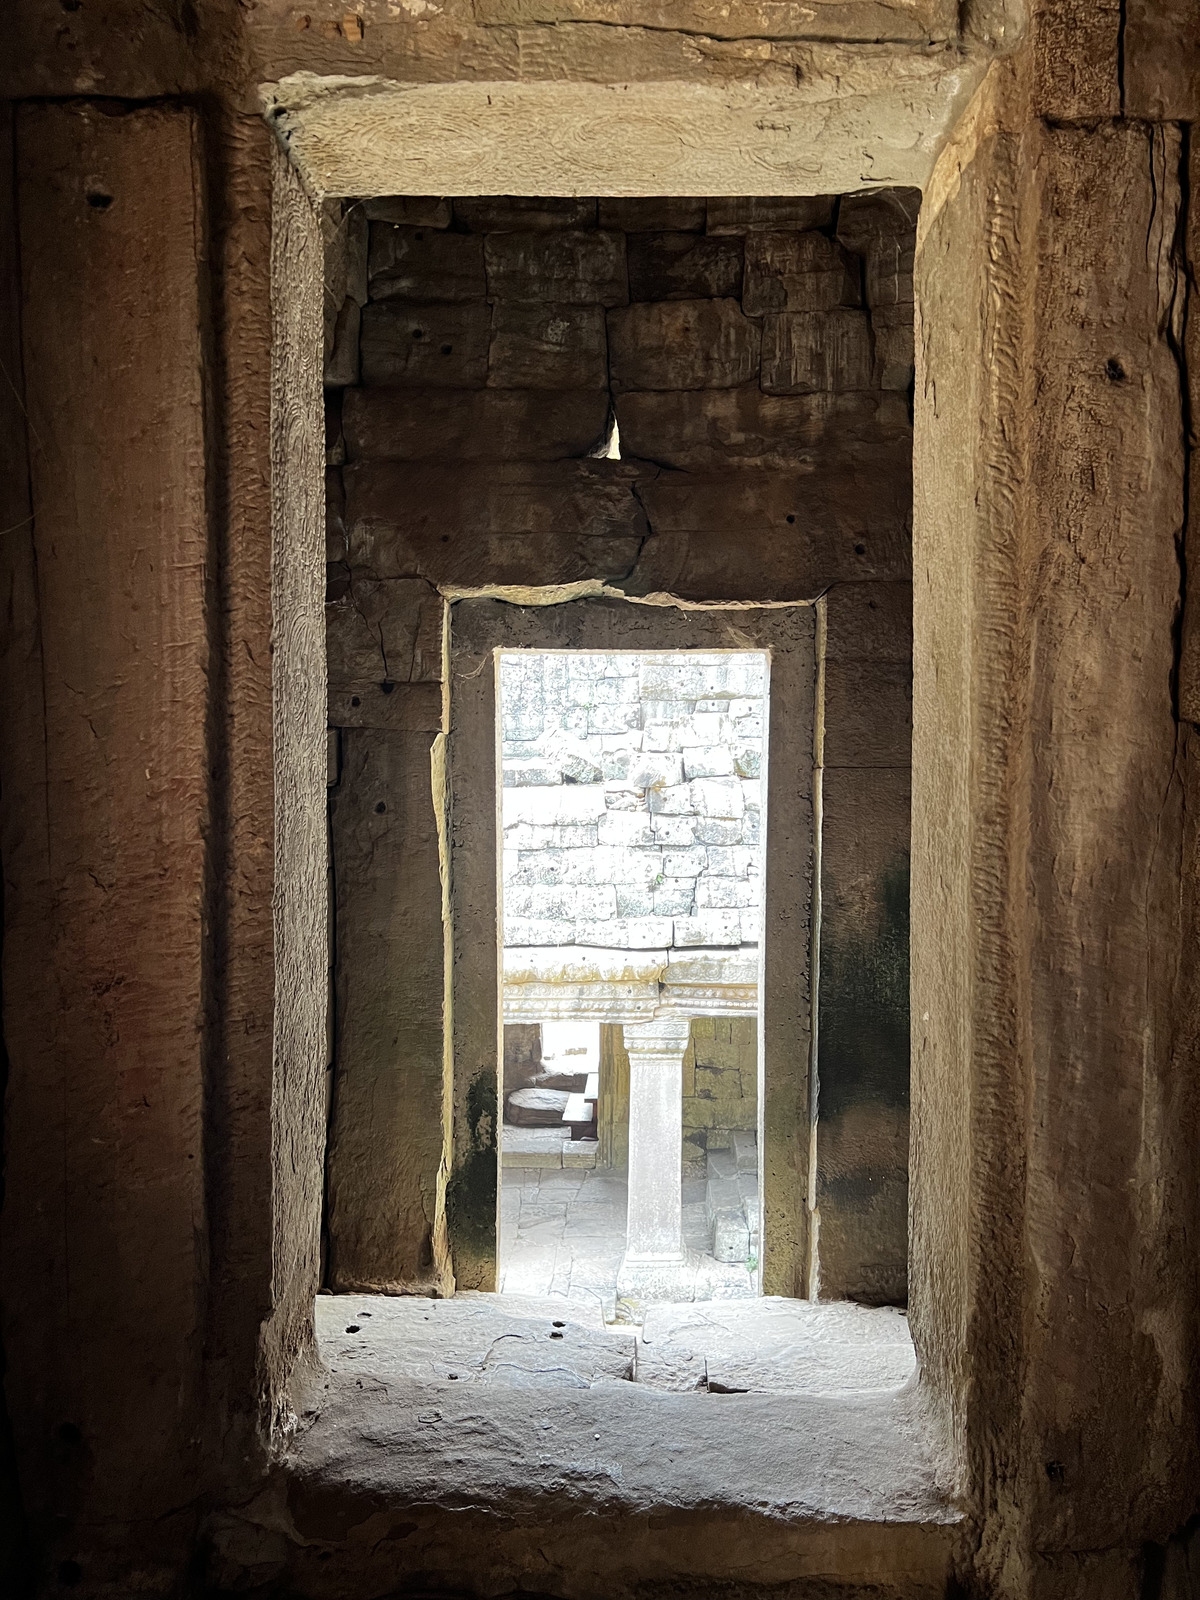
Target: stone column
(656, 1266)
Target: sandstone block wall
(720, 1087)
(756, 357)
(631, 806)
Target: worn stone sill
(757, 1487)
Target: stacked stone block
(756, 356)
(720, 1089)
(632, 798)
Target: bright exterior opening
(631, 889)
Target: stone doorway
(631, 869)
(657, 933)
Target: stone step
(577, 1109)
(728, 1224)
(535, 1108)
(745, 1151)
(721, 1164)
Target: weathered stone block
(342, 336)
(625, 829)
(683, 266)
(669, 713)
(799, 272)
(869, 622)
(564, 901)
(682, 344)
(424, 264)
(700, 675)
(547, 347)
(634, 902)
(718, 797)
(747, 759)
(654, 769)
(863, 219)
(531, 836)
(889, 274)
(713, 830)
(535, 1107)
(626, 933)
(521, 213)
(567, 268)
(805, 352)
(563, 806)
(527, 931)
(488, 425)
(730, 214)
(721, 928)
(641, 216)
(865, 848)
(506, 522)
(726, 894)
(735, 862)
(675, 801)
(796, 532)
(730, 1236)
(613, 719)
(336, 545)
(412, 210)
(673, 830)
(674, 897)
(531, 773)
(395, 707)
(705, 429)
(708, 761)
(868, 714)
(344, 235)
(688, 863)
(442, 345)
(894, 346)
(385, 631)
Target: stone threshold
(585, 1482)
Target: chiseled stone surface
(442, 345)
(684, 265)
(683, 344)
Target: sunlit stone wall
(632, 798)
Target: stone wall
(751, 361)
(1054, 1260)
(720, 1087)
(631, 805)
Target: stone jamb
(478, 629)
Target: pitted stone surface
(470, 1339)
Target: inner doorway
(631, 794)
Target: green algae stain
(863, 1042)
(471, 1191)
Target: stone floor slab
(776, 1346)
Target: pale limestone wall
(632, 799)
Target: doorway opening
(631, 802)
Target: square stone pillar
(656, 1266)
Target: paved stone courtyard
(562, 1233)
